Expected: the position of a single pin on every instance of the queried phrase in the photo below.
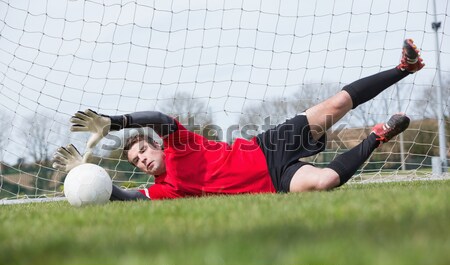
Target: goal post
(227, 69)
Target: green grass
(386, 223)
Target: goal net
(236, 64)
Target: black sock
(369, 87)
(347, 164)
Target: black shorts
(284, 145)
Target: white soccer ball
(87, 184)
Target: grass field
(384, 223)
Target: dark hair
(132, 140)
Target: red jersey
(196, 166)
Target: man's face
(147, 158)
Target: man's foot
(411, 61)
(396, 125)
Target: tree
(429, 109)
(363, 116)
(4, 124)
(429, 102)
(38, 147)
(269, 113)
(38, 142)
(193, 113)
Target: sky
(116, 57)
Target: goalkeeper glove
(68, 157)
(91, 121)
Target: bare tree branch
(4, 124)
(269, 113)
(37, 141)
(193, 113)
(429, 100)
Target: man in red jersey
(189, 165)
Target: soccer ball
(87, 184)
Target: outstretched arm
(100, 125)
(119, 194)
(161, 123)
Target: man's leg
(322, 116)
(339, 171)
(343, 167)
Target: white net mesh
(226, 63)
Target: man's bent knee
(309, 178)
(342, 102)
(328, 181)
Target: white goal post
(226, 64)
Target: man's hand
(90, 121)
(67, 158)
